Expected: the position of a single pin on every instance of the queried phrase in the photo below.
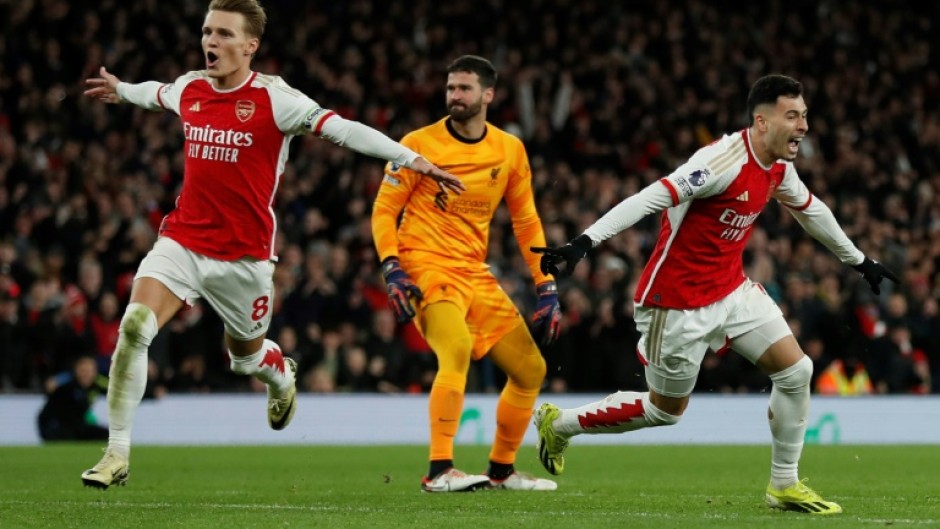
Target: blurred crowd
(607, 96)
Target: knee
(673, 406)
(795, 378)
(461, 349)
(453, 354)
(531, 373)
(538, 369)
(139, 324)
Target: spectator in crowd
(14, 344)
(320, 380)
(67, 416)
(898, 366)
(844, 377)
(389, 361)
(105, 322)
(354, 374)
(330, 353)
(191, 377)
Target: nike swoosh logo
(280, 424)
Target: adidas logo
(742, 197)
(194, 107)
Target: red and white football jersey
(236, 147)
(717, 196)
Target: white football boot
(281, 409)
(453, 480)
(113, 469)
(523, 481)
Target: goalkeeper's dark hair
(484, 69)
(768, 88)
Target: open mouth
(212, 60)
(794, 144)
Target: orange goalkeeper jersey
(454, 230)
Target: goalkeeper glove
(874, 272)
(570, 254)
(400, 288)
(547, 319)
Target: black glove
(570, 254)
(874, 272)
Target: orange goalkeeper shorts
(488, 311)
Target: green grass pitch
(378, 487)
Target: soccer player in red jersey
(218, 243)
(693, 294)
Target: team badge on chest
(244, 110)
(494, 173)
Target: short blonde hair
(255, 18)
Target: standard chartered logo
(463, 206)
(476, 208)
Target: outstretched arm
(527, 226)
(366, 140)
(654, 197)
(393, 194)
(445, 180)
(817, 219)
(109, 89)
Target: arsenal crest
(244, 110)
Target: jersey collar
(461, 139)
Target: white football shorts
(673, 342)
(241, 292)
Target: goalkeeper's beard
(464, 113)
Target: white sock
(623, 411)
(267, 365)
(789, 407)
(128, 374)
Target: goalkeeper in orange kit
(434, 264)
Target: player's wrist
(865, 263)
(390, 265)
(583, 242)
(547, 288)
(416, 163)
(120, 90)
